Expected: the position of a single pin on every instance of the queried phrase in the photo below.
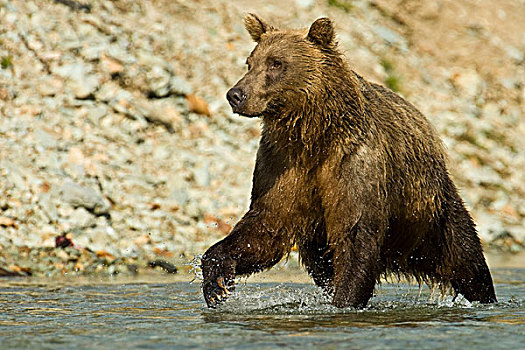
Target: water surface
(38, 314)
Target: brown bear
(348, 171)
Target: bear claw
(216, 293)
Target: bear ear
(256, 26)
(322, 32)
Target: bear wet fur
(348, 171)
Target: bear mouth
(247, 115)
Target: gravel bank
(115, 134)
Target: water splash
(304, 299)
(271, 298)
(195, 268)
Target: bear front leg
(357, 268)
(218, 271)
(252, 246)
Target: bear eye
(276, 64)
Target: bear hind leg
(317, 257)
(357, 267)
(467, 271)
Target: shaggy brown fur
(350, 172)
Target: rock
(109, 92)
(80, 196)
(193, 210)
(49, 86)
(48, 206)
(81, 218)
(514, 53)
(74, 108)
(179, 195)
(179, 86)
(96, 113)
(158, 80)
(161, 112)
(111, 65)
(201, 174)
(482, 176)
(85, 88)
(164, 265)
(468, 82)
(304, 3)
(390, 36)
(44, 139)
(489, 227)
(81, 83)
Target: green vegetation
(345, 5)
(392, 81)
(6, 62)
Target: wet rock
(164, 265)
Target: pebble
(158, 80)
(81, 218)
(81, 196)
(180, 86)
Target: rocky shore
(118, 148)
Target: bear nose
(236, 97)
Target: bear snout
(236, 97)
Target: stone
(304, 4)
(468, 82)
(81, 196)
(79, 81)
(201, 174)
(161, 111)
(158, 80)
(44, 139)
(49, 86)
(179, 86)
(81, 218)
(48, 206)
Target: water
(66, 314)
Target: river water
(155, 314)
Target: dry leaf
(198, 105)
(164, 253)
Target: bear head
(284, 69)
